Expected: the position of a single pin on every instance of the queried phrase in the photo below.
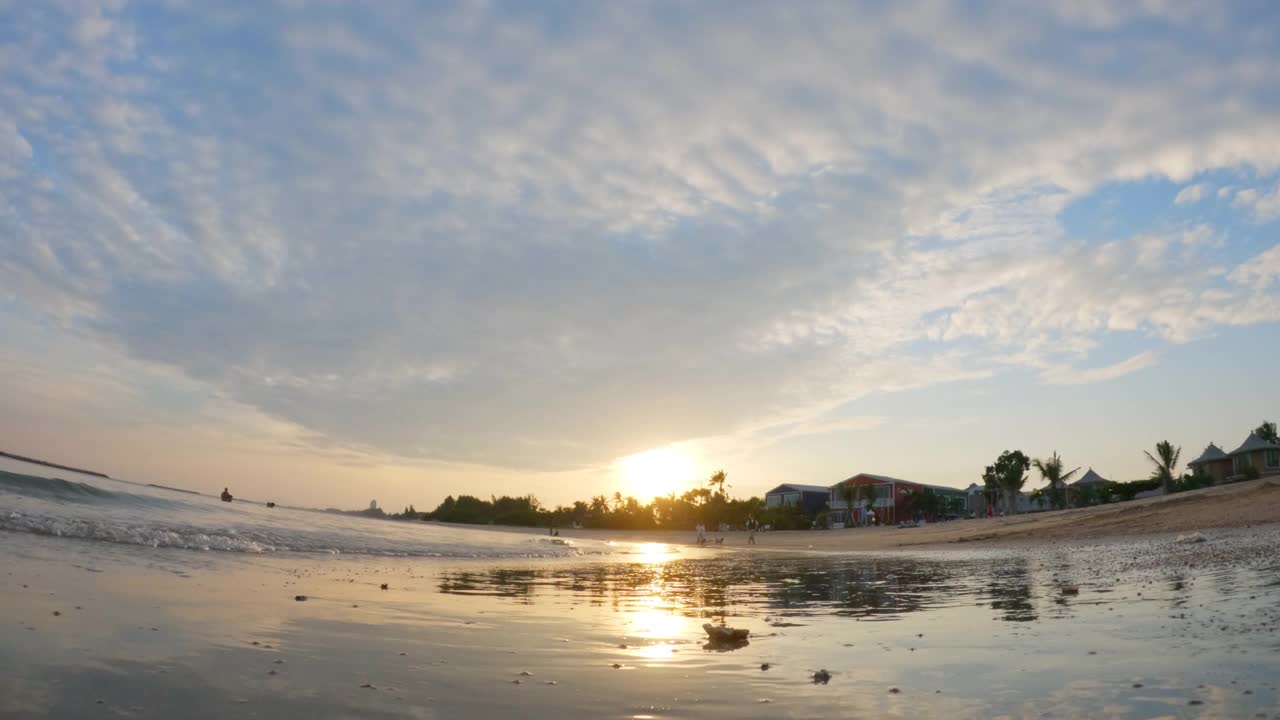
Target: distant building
(809, 498)
(890, 495)
(976, 502)
(373, 504)
(1254, 452)
(1213, 464)
(1089, 481)
(1219, 467)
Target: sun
(659, 471)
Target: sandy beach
(1241, 505)
(130, 602)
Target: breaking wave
(161, 518)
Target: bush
(1251, 473)
(1191, 482)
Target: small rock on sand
(1194, 537)
(615, 666)
(56, 613)
(822, 677)
(551, 682)
(764, 666)
(300, 598)
(894, 691)
(368, 686)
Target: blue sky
(332, 252)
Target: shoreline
(1239, 505)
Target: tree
(850, 494)
(1051, 472)
(599, 506)
(1267, 431)
(717, 481)
(1008, 474)
(867, 495)
(1166, 463)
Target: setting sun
(660, 471)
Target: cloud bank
(546, 237)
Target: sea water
(62, 503)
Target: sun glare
(660, 471)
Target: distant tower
(373, 504)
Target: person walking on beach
(702, 533)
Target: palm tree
(599, 505)
(617, 501)
(1051, 472)
(717, 481)
(1166, 463)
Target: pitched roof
(1253, 442)
(799, 488)
(881, 478)
(1090, 478)
(1210, 454)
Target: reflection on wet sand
(786, 587)
(1110, 630)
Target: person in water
(226, 496)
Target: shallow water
(1142, 629)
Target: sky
(327, 252)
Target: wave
(52, 488)
(260, 542)
(47, 488)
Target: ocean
(47, 501)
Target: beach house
(1255, 453)
(890, 498)
(809, 498)
(1086, 487)
(1213, 464)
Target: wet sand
(1241, 505)
(1134, 629)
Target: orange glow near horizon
(660, 471)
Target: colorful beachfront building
(1255, 452)
(891, 497)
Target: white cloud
(1259, 270)
(1263, 204)
(468, 236)
(1082, 376)
(15, 151)
(1192, 194)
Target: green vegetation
(1006, 478)
(1051, 472)
(1166, 464)
(1267, 431)
(619, 513)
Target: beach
(476, 623)
(1241, 505)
